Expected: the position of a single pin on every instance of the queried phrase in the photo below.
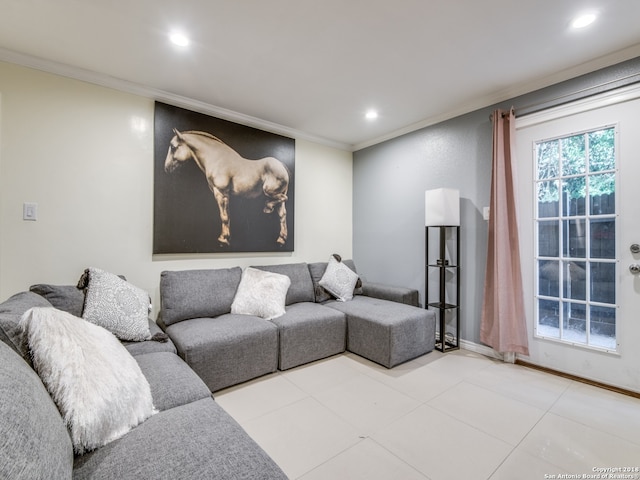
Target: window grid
(564, 260)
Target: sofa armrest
(404, 295)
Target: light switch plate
(485, 213)
(30, 211)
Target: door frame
(622, 368)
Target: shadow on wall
(472, 279)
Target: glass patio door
(579, 214)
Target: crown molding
(612, 97)
(226, 114)
(125, 86)
(510, 93)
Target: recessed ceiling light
(371, 115)
(583, 20)
(179, 39)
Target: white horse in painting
(230, 174)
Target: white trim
(509, 94)
(162, 96)
(615, 108)
(468, 107)
(481, 349)
(477, 348)
(618, 95)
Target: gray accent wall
(390, 178)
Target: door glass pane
(573, 244)
(548, 154)
(603, 282)
(602, 150)
(603, 327)
(548, 239)
(549, 318)
(548, 278)
(603, 238)
(573, 155)
(548, 197)
(575, 280)
(602, 194)
(574, 322)
(574, 192)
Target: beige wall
(84, 154)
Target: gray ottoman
(388, 333)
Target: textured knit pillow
(117, 305)
(261, 293)
(339, 280)
(95, 382)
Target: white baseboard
(477, 348)
(481, 349)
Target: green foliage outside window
(583, 154)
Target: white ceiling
(315, 67)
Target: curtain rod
(577, 95)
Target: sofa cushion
(339, 280)
(261, 293)
(68, 298)
(408, 296)
(228, 349)
(11, 311)
(171, 380)
(309, 332)
(316, 270)
(34, 442)
(97, 385)
(301, 289)
(194, 441)
(149, 346)
(197, 293)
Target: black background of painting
(185, 213)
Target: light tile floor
(458, 415)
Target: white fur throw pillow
(261, 293)
(339, 280)
(95, 382)
(117, 305)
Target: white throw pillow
(261, 293)
(339, 280)
(95, 382)
(117, 305)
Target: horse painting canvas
(228, 174)
(248, 205)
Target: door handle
(634, 268)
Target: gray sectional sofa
(383, 324)
(191, 436)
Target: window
(575, 222)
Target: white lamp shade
(442, 207)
